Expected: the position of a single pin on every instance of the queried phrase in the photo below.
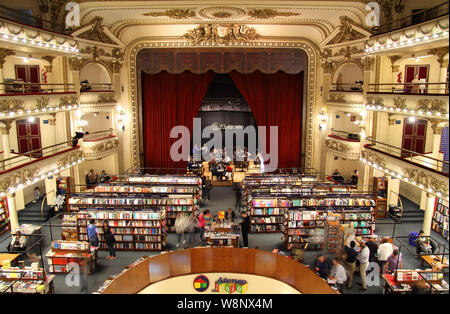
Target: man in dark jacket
(322, 267)
(245, 227)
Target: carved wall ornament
(373, 157)
(76, 63)
(268, 13)
(329, 67)
(42, 102)
(348, 51)
(70, 158)
(368, 63)
(176, 13)
(3, 54)
(346, 32)
(325, 54)
(106, 98)
(432, 105)
(438, 126)
(96, 32)
(113, 65)
(337, 98)
(68, 100)
(440, 53)
(338, 146)
(399, 102)
(221, 34)
(18, 177)
(421, 177)
(102, 148)
(370, 100)
(393, 65)
(49, 59)
(11, 104)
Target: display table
(222, 234)
(215, 260)
(64, 252)
(433, 260)
(8, 257)
(391, 287)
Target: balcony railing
(343, 135)
(421, 160)
(96, 87)
(347, 87)
(99, 135)
(17, 88)
(34, 155)
(20, 17)
(410, 88)
(413, 19)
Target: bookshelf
(134, 230)
(25, 280)
(64, 186)
(267, 214)
(222, 234)
(4, 219)
(440, 217)
(69, 230)
(380, 189)
(64, 252)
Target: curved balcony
(22, 170)
(344, 144)
(345, 95)
(100, 144)
(421, 170)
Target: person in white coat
(363, 258)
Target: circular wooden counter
(217, 260)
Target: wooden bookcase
(4, 216)
(138, 230)
(25, 280)
(440, 217)
(380, 189)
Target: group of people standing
(359, 253)
(108, 234)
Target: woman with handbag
(108, 234)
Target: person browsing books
(363, 258)
(321, 266)
(384, 251)
(394, 261)
(92, 233)
(350, 261)
(230, 215)
(245, 228)
(201, 224)
(108, 234)
(338, 274)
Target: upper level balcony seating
(346, 145)
(418, 89)
(13, 87)
(100, 144)
(413, 19)
(20, 17)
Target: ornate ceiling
(131, 20)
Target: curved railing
(218, 260)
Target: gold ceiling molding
(176, 13)
(268, 13)
(221, 34)
(310, 49)
(221, 13)
(96, 33)
(346, 32)
(432, 105)
(11, 104)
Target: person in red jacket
(201, 225)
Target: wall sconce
(323, 120)
(122, 117)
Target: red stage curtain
(169, 100)
(276, 100)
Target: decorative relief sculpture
(42, 102)
(425, 179)
(346, 32)
(337, 98)
(267, 13)
(70, 158)
(432, 105)
(96, 32)
(221, 34)
(176, 13)
(18, 177)
(399, 102)
(68, 100)
(106, 98)
(11, 104)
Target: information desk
(217, 260)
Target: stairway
(411, 212)
(31, 214)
